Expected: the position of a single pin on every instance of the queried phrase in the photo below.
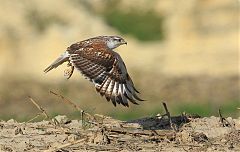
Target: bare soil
(101, 133)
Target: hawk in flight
(97, 62)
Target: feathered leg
(69, 71)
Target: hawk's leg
(69, 71)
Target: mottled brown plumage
(97, 62)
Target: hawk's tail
(63, 58)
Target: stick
(82, 112)
(139, 132)
(70, 102)
(35, 117)
(223, 121)
(39, 108)
(169, 117)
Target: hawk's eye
(118, 40)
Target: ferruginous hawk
(97, 62)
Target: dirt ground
(101, 133)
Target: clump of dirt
(101, 133)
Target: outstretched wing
(107, 71)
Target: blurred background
(182, 52)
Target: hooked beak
(124, 42)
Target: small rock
(11, 121)
(61, 119)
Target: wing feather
(109, 90)
(108, 72)
(105, 86)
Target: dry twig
(223, 121)
(71, 103)
(34, 117)
(136, 132)
(172, 125)
(43, 112)
(82, 112)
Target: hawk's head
(114, 41)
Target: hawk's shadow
(163, 122)
(166, 121)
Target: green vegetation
(208, 109)
(143, 25)
(229, 109)
(196, 100)
(203, 109)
